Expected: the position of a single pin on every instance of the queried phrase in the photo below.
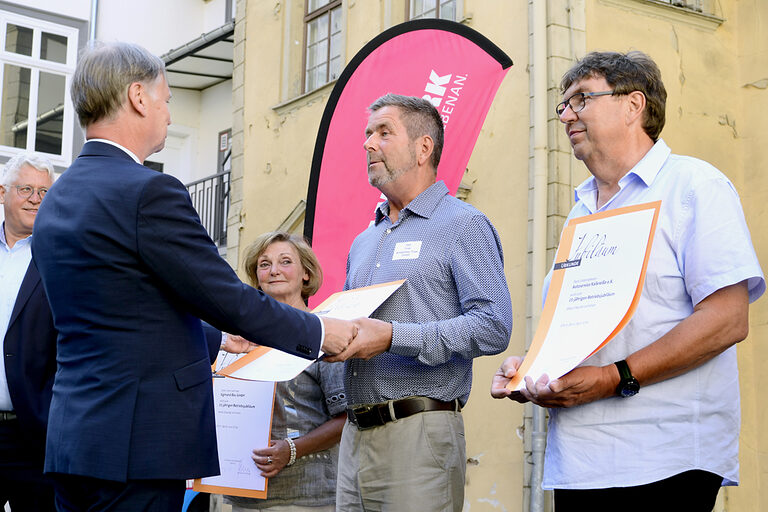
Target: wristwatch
(628, 386)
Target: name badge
(407, 250)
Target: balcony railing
(210, 197)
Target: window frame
(459, 11)
(308, 18)
(36, 66)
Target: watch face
(630, 388)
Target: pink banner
(451, 65)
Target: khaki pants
(284, 508)
(413, 464)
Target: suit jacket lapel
(28, 285)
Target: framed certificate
(596, 284)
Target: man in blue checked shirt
(403, 445)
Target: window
(442, 9)
(37, 59)
(322, 36)
(704, 6)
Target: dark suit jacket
(129, 271)
(30, 358)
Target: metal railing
(210, 197)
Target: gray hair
(420, 117)
(14, 165)
(103, 75)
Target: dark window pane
(18, 39)
(53, 47)
(15, 107)
(156, 166)
(50, 113)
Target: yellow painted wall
(711, 114)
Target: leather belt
(7, 415)
(376, 415)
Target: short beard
(390, 175)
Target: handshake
(361, 338)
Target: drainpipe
(92, 26)
(539, 228)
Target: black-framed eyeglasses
(26, 191)
(578, 101)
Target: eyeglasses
(26, 191)
(578, 101)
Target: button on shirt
(454, 306)
(691, 421)
(13, 267)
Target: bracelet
(292, 446)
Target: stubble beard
(389, 175)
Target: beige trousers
(413, 464)
(284, 508)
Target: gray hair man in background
(27, 340)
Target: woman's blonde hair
(306, 256)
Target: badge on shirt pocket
(407, 250)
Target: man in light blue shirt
(27, 339)
(651, 420)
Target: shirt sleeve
(715, 248)
(332, 384)
(485, 322)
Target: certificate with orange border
(264, 363)
(596, 284)
(243, 422)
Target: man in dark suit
(129, 271)
(28, 341)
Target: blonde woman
(309, 410)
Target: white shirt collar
(112, 143)
(646, 169)
(4, 241)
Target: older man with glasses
(651, 422)
(28, 340)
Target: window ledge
(305, 99)
(664, 10)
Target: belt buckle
(362, 412)
(362, 409)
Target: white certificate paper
(243, 422)
(269, 364)
(596, 283)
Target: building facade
(714, 60)
(42, 39)
(266, 107)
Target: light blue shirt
(13, 267)
(701, 245)
(454, 306)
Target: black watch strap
(628, 385)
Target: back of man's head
(103, 74)
(419, 116)
(625, 73)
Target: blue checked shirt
(454, 306)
